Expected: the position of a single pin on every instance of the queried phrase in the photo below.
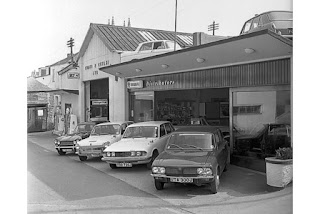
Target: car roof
(149, 123)
(164, 40)
(113, 123)
(210, 129)
(86, 123)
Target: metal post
(213, 27)
(175, 26)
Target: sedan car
(196, 155)
(150, 48)
(141, 144)
(102, 135)
(280, 22)
(67, 143)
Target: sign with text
(99, 102)
(135, 84)
(73, 75)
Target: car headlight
(108, 154)
(56, 142)
(158, 170)
(204, 171)
(138, 153)
(76, 142)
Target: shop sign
(135, 84)
(159, 83)
(73, 75)
(99, 102)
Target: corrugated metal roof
(120, 38)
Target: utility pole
(70, 44)
(214, 26)
(175, 26)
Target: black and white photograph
(162, 106)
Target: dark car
(67, 143)
(195, 155)
(280, 22)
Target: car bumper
(195, 179)
(89, 153)
(66, 148)
(132, 160)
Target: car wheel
(61, 152)
(159, 185)
(112, 166)
(154, 156)
(83, 158)
(214, 186)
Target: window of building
(250, 109)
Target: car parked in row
(67, 143)
(280, 22)
(195, 155)
(102, 135)
(141, 143)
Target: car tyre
(61, 152)
(159, 185)
(214, 186)
(112, 166)
(83, 158)
(154, 156)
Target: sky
(51, 23)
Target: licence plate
(67, 150)
(95, 155)
(181, 180)
(124, 164)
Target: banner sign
(135, 84)
(73, 75)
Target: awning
(258, 46)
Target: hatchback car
(196, 155)
(102, 135)
(150, 48)
(140, 144)
(67, 143)
(280, 22)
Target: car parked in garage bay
(67, 143)
(196, 155)
(141, 144)
(102, 135)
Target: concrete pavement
(241, 191)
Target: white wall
(95, 54)
(249, 123)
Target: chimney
(129, 24)
(112, 21)
(124, 23)
(108, 21)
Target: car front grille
(92, 149)
(123, 154)
(66, 143)
(181, 171)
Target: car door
(163, 136)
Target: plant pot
(279, 172)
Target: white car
(151, 48)
(141, 143)
(102, 135)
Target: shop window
(252, 109)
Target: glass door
(141, 106)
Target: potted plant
(279, 168)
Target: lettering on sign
(100, 64)
(73, 75)
(135, 84)
(99, 102)
(95, 72)
(159, 83)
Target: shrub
(284, 153)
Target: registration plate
(181, 180)
(95, 155)
(67, 150)
(124, 164)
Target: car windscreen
(106, 130)
(190, 141)
(280, 16)
(141, 132)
